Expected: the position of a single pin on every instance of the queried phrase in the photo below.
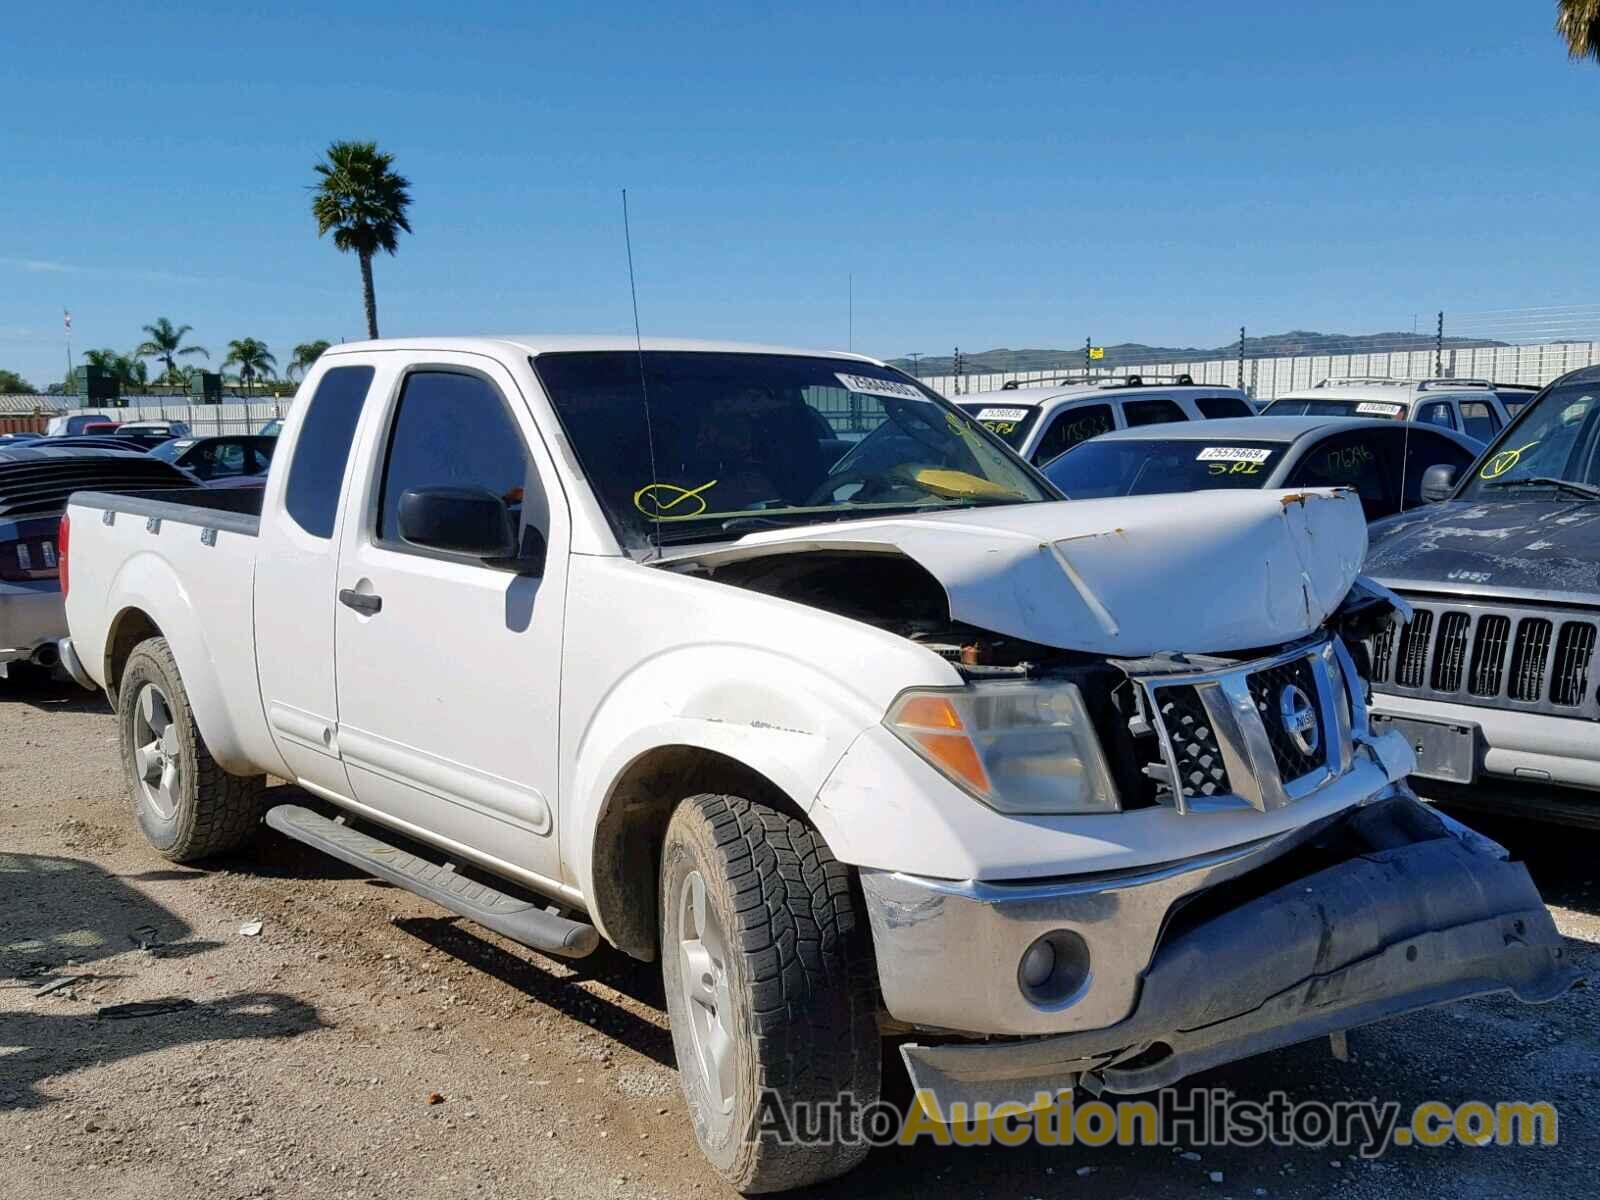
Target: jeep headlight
(1019, 747)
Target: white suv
(1042, 422)
(1469, 406)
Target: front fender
(771, 712)
(218, 671)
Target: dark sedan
(1382, 460)
(229, 456)
(35, 481)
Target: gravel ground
(364, 1044)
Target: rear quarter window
(316, 474)
(1154, 411)
(1223, 406)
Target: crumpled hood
(1551, 547)
(1200, 573)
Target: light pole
(914, 355)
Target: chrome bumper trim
(948, 950)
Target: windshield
(731, 443)
(1554, 442)
(1302, 406)
(1094, 469)
(1009, 422)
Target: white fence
(233, 416)
(1269, 378)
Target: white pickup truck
(596, 641)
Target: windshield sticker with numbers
(1248, 454)
(1001, 414)
(868, 386)
(1382, 410)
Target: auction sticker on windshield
(1382, 410)
(1001, 414)
(1247, 454)
(868, 386)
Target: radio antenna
(644, 387)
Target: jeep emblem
(1299, 719)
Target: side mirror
(461, 520)
(1438, 482)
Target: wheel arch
(128, 628)
(632, 824)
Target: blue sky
(1020, 175)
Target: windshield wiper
(1587, 491)
(748, 524)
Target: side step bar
(520, 920)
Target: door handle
(363, 602)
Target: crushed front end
(1129, 980)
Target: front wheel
(770, 993)
(188, 807)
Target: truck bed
(236, 510)
(185, 561)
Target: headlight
(1019, 747)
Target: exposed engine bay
(891, 591)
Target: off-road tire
(215, 811)
(800, 979)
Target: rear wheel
(188, 807)
(767, 966)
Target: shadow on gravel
(49, 1045)
(57, 909)
(37, 689)
(639, 981)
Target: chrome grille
(1226, 738)
(1197, 757)
(1266, 689)
(1521, 657)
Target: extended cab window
(1071, 426)
(453, 429)
(1151, 412)
(317, 473)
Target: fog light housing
(1054, 970)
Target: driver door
(449, 670)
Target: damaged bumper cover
(1379, 911)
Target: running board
(520, 920)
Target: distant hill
(1129, 354)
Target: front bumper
(32, 615)
(1374, 912)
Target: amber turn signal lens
(927, 712)
(956, 756)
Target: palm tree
(1578, 21)
(124, 368)
(305, 354)
(253, 360)
(166, 343)
(364, 204)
